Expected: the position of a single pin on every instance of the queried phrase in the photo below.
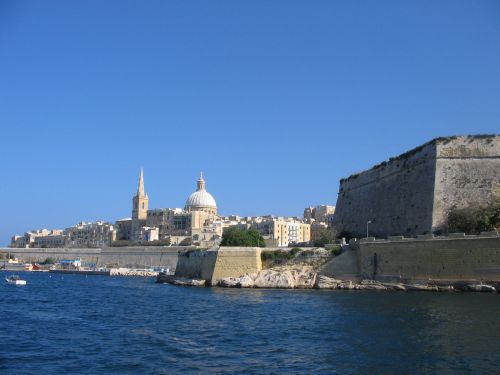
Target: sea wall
(456, 257)
(128, 257)
(344, 266)
(215, 264)
(196, 264)
(236, 261)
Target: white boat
(15, 280)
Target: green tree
(472, 220)
(239, 237)
(327, 236)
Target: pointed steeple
(201, 183)
(140, 187)
(140, 201)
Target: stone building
(276, 231)
(124, 229)
(87, 234)
(196, 224)
(84, 234)
(413, 193)
(319, 213)
(39, 238)
(148, 234)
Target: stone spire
(140, 201)
(201, 183)
(140, 187)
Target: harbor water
(60, 324)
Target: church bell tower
(140, 201)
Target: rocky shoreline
(132, 272)
(308, 279)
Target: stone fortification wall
(236, 261)
(196, 264)
(397, 196)
(344, 266)
(141, 256)
(467, 172)
(38, 255)
(215, 264)
(413, 193)
(131, 257)
(456, 257)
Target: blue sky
(274, 101)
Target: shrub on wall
(474, 219)
(277, 256)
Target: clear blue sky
(274, 101)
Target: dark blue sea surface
(74, 324)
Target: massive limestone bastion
(412, 194)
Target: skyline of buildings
(198, 224)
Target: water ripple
(100, 325)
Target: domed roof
(201, 197)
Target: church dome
(201, 199)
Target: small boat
(15, 280)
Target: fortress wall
(344, 266)
(213, 265)
(37, 255)
(396, 195)
(130, 257)
(467, 172)
(197, 264)
(141, 257)
(236, 261)
(466, 258)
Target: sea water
(74, 324)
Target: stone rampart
(455, 257)
(467, 172)
(215, 264)
(397, 196)
(129, 257)
(412, 194)
(196, 264)
(236, 261)
(344, 266)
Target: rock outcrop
(132, 272)
(163, 278)
(308, 279)
(273, 278)
(481, 288)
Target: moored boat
(15, 280)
